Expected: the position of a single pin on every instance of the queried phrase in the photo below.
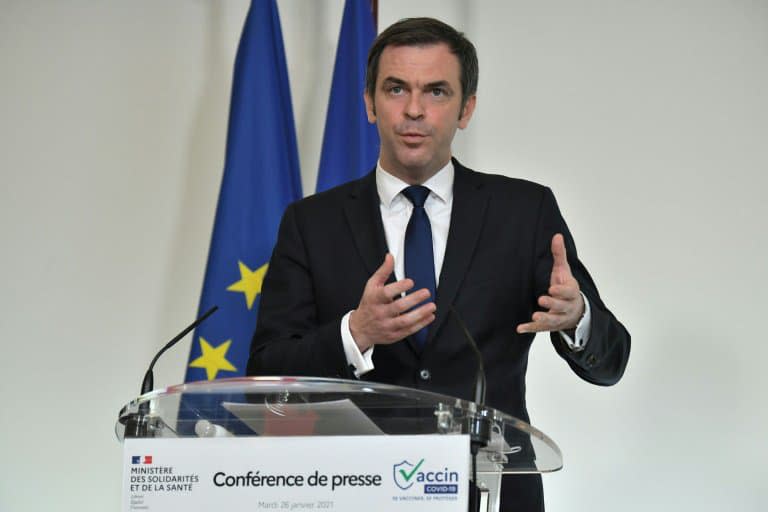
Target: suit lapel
(362, 211)
(470, 202)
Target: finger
(413, 317)
(529, 327)
(414, 327)
(565, 291)
(425, 321)
(556, 305)
(543, 322)
(393, 291)
(559, 255)
(410, 301)
(384, 271)
(412, 321)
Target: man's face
(416, 109)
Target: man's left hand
(564, 305)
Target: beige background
(648, 119)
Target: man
(363, 276)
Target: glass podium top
(309, 406)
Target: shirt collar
(440, 184)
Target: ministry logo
(404, 472)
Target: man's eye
(396, 89)
(437, 91)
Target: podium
(275, 410)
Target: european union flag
(261, 177)
(350, 142)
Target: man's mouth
(413, 137)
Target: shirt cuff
(362, 363)
(583, 329)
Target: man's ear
(370, 108)
(467, 110)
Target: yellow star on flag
(249, 283)
(213, 359)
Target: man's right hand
(384, 315)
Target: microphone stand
(137, 424)
(480, 424)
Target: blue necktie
(419, 258)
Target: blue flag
(350, 142)
(261, 177)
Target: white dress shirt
(395, 213)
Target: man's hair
(425, 32)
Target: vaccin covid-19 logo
(407, 474)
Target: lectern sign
(338, 473)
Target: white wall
(648, 119)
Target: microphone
(148, 383)
(136, 424)
(480, 426)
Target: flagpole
(375, 11)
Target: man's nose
(414, 109)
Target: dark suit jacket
(497, 263)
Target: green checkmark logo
(408, 476)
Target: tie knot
(416, 194)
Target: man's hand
(564, 304)
(384, 316)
